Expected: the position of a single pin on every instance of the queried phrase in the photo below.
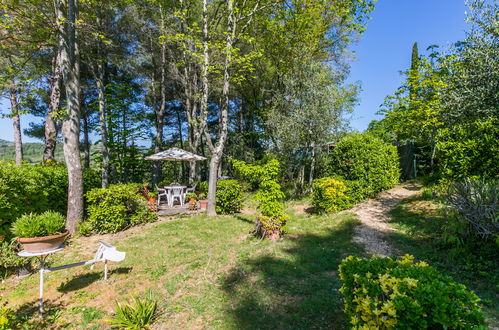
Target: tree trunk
(312, 168)
(71, 125)
(50, 127)
(16, 123)
(102, 125)
(86, 141)
(217, 151)
(101, 87)
(160, 113)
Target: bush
(36, 189)
(477, 203)
(229, 197)
(382, 293)
(329, 195)
(38, 225)
(9, 260)
(272, 221)
(116, 208)
(367, 161)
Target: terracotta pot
(203, 204)
(192, 200)
(42, 244)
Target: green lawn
(210, 273)
(206, 273)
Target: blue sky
(382, 52)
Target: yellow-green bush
(383, 293)
(329, 195)
(229, 197)
(36, 189)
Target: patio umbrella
(175, 154)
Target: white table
(169, 193)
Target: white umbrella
(175, 154)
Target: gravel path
(374, 215)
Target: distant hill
(32, 151)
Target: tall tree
(67, 13)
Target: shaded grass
(420, 223)
(209, 273)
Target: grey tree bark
(16, 123)
(70, 68)
(50, 127)
(217, 150)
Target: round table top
(38, 254)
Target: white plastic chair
(176, 192)
(164, 193)
(191, 189)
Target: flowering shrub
(116, 208)
(229, 197)
(329, 195)
(382, 293)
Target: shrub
(367, 161)
(37, 225)
(329, 195)
(229, 197)
(477, 203)
(9, 260)
(137, 316)
(382, 293)
(272, 221)
(116, 208)
(36, 189)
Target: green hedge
(229, 197)
(116, 208)
(36, 189)
(382, 293)
(367, 163)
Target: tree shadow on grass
(295, 290)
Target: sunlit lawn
(205, 273)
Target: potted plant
(40, 232)
(191, 198)
(203, 202)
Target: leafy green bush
(116, 208)
(38, 225)
(272, 221)
(137, 316)
(477, 203)
(202, 186)
(369, 163)
(229, 197)
(9, 260)
(36, 189)
(329, 195)
(382, 293)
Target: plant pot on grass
(40, 232)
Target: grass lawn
(205, 273)
(418, 221)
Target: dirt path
(374, 215)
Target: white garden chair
(190, 190)
(163, 193)
(176, 192)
